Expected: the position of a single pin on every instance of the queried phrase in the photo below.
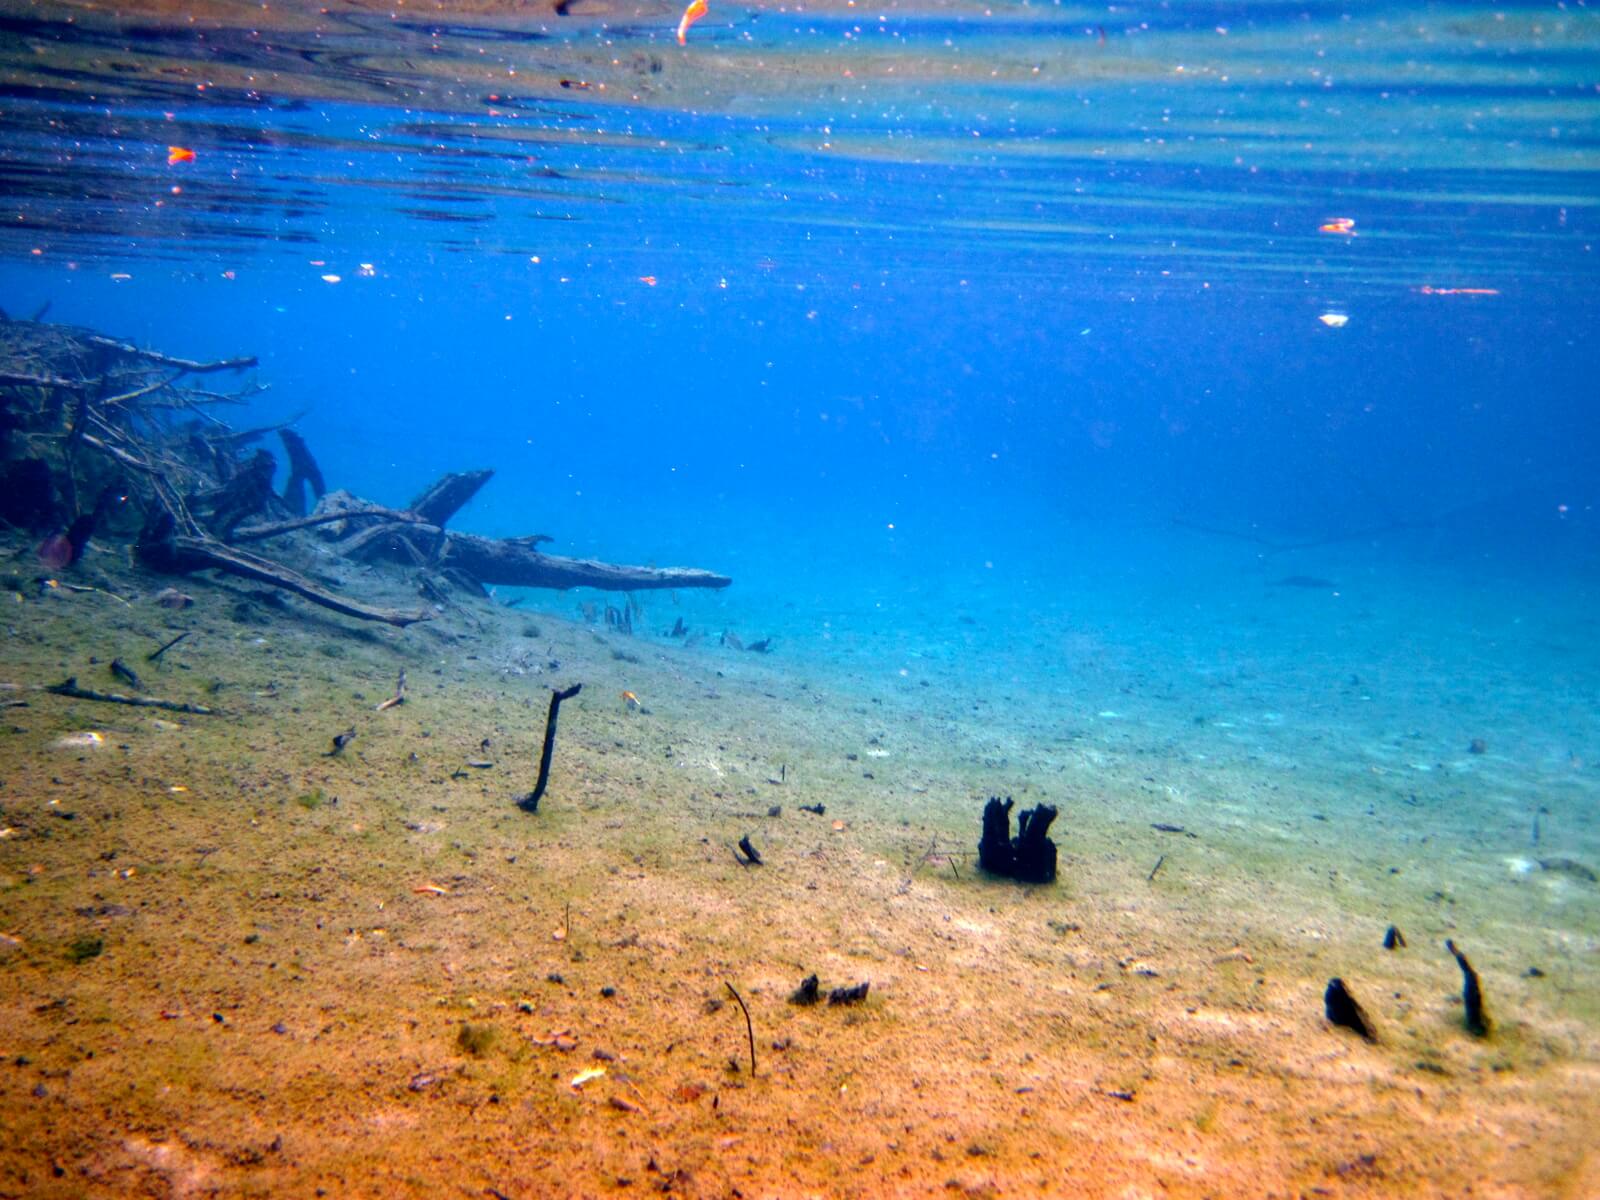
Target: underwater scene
(610, 598)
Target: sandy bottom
(234, 964)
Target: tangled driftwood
(82, 415)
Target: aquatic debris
(764, 646)
(1393, 939)
(588, 1075)
(691, 14)
(1151, 878)
(1476, 1018)
(1030, 857)
(430, 889)
(340, 741)
(79, 741)
(303, 473)
(179, 154)
(1568, 866)
(476, 1040)
(809, 992)
(399, 696)
(125, 673)
(1163, 827)
(1335, 320)
(1426, 290)
(1344, 226)
(156, 654)
(751, 858)
(173, 598)
(631, 703)
(530, 802)
(1343, 1010)
(748, 1027)
(854, 994)
(70, 688)
(819, 809)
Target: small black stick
(1152, 876)
(749, 1029)
(530, 802)
(155, 654)
(1477, 1020)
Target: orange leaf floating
(1345, 226)
(696, 10)
(1433, 291)
(648, 280)
(179, 154)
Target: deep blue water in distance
(874, 357)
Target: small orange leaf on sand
(430, 889)
(838, 826)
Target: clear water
(1015, 352)
(946, 330)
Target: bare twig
(187, 365)
(71, 689)
(748, 1028)
(254, 533)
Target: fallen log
(516, 562)
(164, 549)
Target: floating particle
(1425, 290)
(696, 10)
(1343, 226)
(1335, 320)
(179, 154)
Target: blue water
(948, 303)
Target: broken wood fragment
(530, 802)
(303, 473)
(1476, 1017)
(517, 562)
(188, 365)
(447, 495)
(70, 689)
(163, 549)
(1343, 1010)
